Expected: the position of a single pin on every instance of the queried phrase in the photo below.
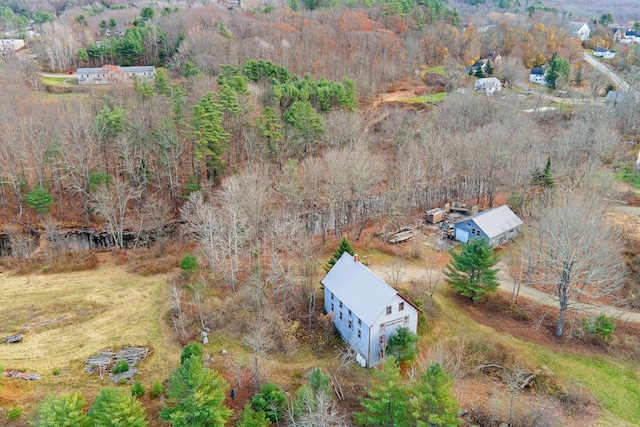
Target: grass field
(68, 317)
(434, 97)
(60, 81)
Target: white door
(462, 235)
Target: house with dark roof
(496, 225)
(537, 75)
(604, 53)
(365, 310)
(110, 74)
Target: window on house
(381, 354)
(381, 327)
(359, 322)
(332, 307)
(388, 310)
(401, 306)
(469, 224)
(349, 314)
(473, 231)
(359, 333)
(331, 297)
(340, 315)
(381, 339)
(340, 304)
(406, 320)
(350, 325)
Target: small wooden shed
(434, 216)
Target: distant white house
(365, 310)
(488, 85)
(110, 74)
(10, 45)
(631, 36)
(581, 30)
(496, 225)
(537, 75)
(604, 53)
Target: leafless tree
(177, 314)
(395, 275)
(204, 222)
(509, 70)
(55, 240)
(260, 341)
(597, 81)
(321, 411)
(112, 203)
(573, 251)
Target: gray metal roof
(495, 221)
(358, 288)
(143, 69)
(614, 97)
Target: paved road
(410, 272)
(622, 84)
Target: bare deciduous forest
(205, 202)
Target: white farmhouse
(537, 75)
(488, 85)
(365, 310)
(581, 30)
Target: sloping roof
(599, 49)
(576, 25)
(358, 288)
(539, 71)
(488, 80)
(614, 97)
(495, 221)
(143, 69)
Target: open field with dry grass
(68, 317)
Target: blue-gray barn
(365, 310)
(496, 225)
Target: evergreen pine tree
(208, 134)
(343, 247)
(66, 410)
(196, 396)
(116, 408)
(386, 403)
(470, 272)
(433, 404)
(488, 69)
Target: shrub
(188, 263)
(121, 366)
(189, 350)
(271, 401)
(14, 413)
(56, 371)
(402, 344)
(601, 327)
(156, 390)
(137, 389)
(67, 262)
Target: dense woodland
(262, 138)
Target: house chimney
(355, 257)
